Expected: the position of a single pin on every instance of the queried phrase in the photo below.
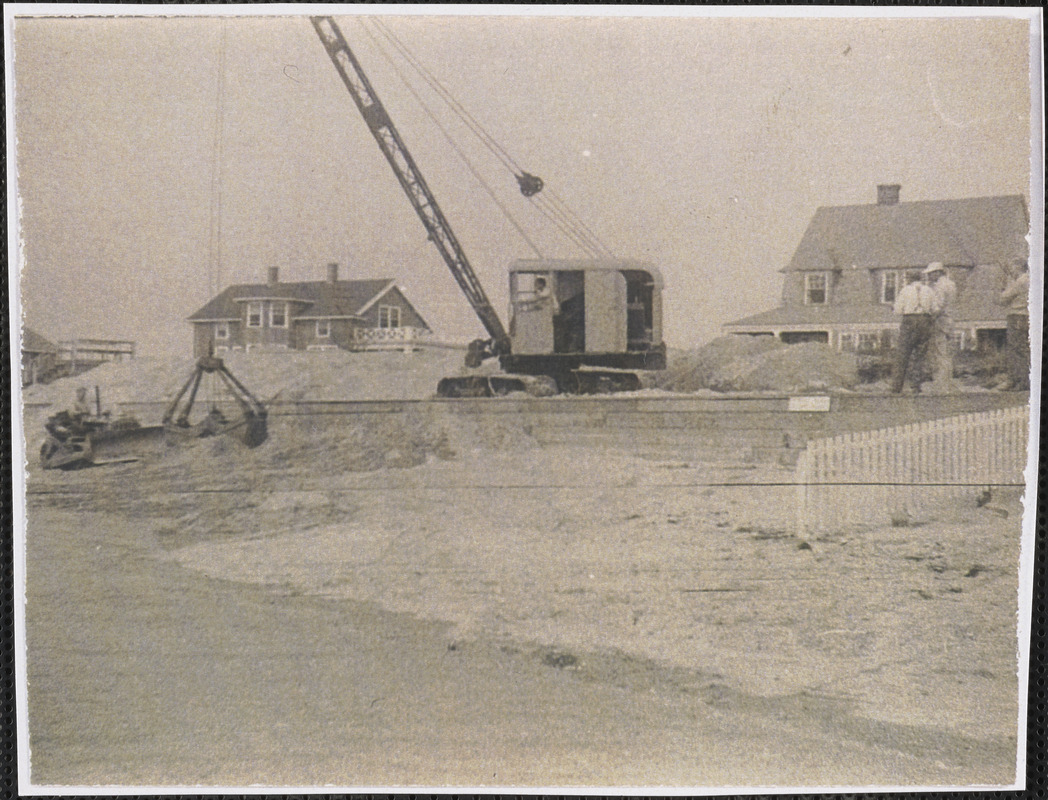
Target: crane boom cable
(573, 236)
(556, 212)
(579, 221)
(577, 234)
(461, 111)
(462, 155)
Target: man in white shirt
(942, 340)
(918, 304)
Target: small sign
(810, 403)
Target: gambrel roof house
(840, 285)
(308, 315)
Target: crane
(577, 325)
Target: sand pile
(692, 370)
(759, 363)
(336, 375)
(141, 380)
(335, 444)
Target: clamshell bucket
(249, 426)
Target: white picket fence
(875, 477)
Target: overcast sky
(703, 145)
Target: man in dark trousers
(1016, 296)
(918, 304)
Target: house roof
(978, 302)
(324, 298)
(820, 315)
(573, 264)
(33, 342)
(966, 232)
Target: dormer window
(816, 289)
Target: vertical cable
(214, 267)
(215, 222)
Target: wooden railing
(892, 475)
(385, 338)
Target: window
(323, 328)
(278, 315)
(869, 342)
(815, 289)
(892, 281)
(389, 316)
(846, 343)
(221, 330)
(254, 315)
(889, 286)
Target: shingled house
(308, 315)
(841, 283)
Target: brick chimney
(888, 194)
(332, 272)
(273, 276)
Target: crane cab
(566, 314)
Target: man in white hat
(941, 349)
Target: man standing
(918, 305)
(1016, 296)
(942, 340)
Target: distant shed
(39, 357)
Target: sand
(596, 549)
(692, 564)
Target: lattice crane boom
(411, 180)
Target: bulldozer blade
(104, 462)
(72, 454)
(127, 443)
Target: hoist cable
(579, 221)
(465, 159)
(577, 233)
(556, 211)
(562, 220)
(470, 121)
(572, 235)
(214, 267)
(215, 209)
